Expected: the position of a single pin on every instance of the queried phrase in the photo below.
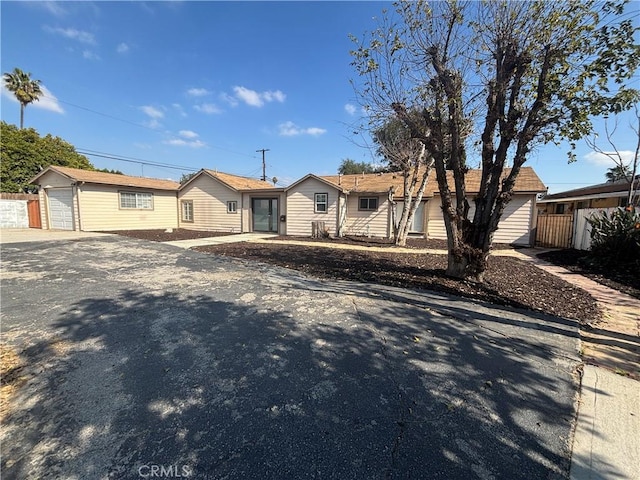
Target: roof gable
(102, 178)
(315, 177)
(234, 182)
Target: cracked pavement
(141, 355)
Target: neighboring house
(362, 205)
(217, 201)
(604, 195)
(74, 199)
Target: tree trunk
(21, 115)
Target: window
(368, 203)
(134, 200)
(187, 210)
(320, 202)
(232, 207)
(560, 208)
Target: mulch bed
(164, 236)
(508, 281)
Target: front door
(265, 214)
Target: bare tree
(494, 78)
(409, 156)
(626, 168)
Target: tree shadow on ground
(385, 389)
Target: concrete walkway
(202, 242)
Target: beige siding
(514, 227)
(100, 209)
(369, 223)
(210, 199)
(300, 208)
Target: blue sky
(206, 84)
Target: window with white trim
(187, 210)
(232, 207)
(136, 200)
(368, 203)
(320, 202)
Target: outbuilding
(85, 200)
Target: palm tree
(25, 89)
(619, 172)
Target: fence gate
(554, 231)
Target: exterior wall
(100, 209)
(365, 222)
(300, 208)
(210, 199)
(514, 227)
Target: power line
(134, 160)
(140, 125)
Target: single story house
(604, 195)
(217, 201)
(362, 205)
(74, 199)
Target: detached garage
(85, 200)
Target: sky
(194, 85)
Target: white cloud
(229, 99)
(290, 129)
(155, 114)
(188, 134)
(47, 101)
(208, 108)
(53, 7)
(179, 142)
(122, 48)
(257, 99)
(603, 160)
(198, 92)
(152, 112)
(350, 109)
(89, 55)
(72, 34)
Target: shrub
(615, 237)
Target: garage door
(61, 208)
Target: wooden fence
(555, 231)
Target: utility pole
(264, 165)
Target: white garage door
(61, 208)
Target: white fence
(13, 214)
(582, 229)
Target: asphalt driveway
(146, 361)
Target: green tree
(24, 88)
(185, 177)
(351, 167)
(25, 154)
(619, 172)
(494, 78)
